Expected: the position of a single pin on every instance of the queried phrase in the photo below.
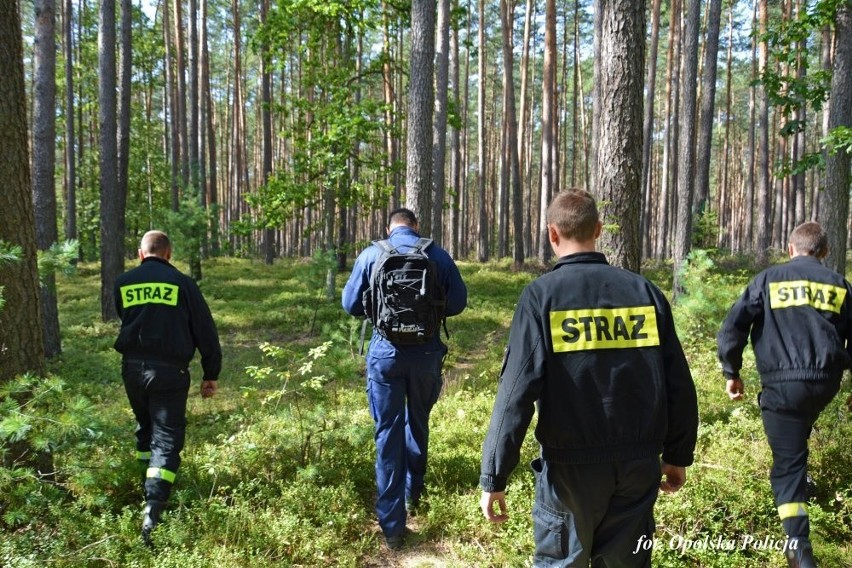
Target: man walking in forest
(405, 285)
(800, 321)
(594, 348)
(164, 318)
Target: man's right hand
(208, 388)
(735, 388)
(675, 477)
(487, 504)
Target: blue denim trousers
(401, 392)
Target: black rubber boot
(802, 556)
(150, 518)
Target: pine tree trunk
(439, 136)
(836, 207)
(112, 237)
(763, 234)
(43, 167)
(21, 336)
(686, 150)
(708, 99)
(618, 128)
(482, 249)
(548, 141)
(70, 154)
(421, 99)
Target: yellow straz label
(818, 295)
(617, 328)
(149, 293)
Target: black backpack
(405, 301)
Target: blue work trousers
(157, 393)
(401, 391)
(598, 513)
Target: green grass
(278, 467)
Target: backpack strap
(422, 244)
(385, 245)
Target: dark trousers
(401, 392)
(789, 411)
(157, 393)
(598, 513)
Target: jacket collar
(156, 259)
(581, 257)
(806, 258)
(403, 230)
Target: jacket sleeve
(681, 399)
(848, 312)
(733, 336)
(204, 332)
(520, 386)
(359, 281)
(454, 286)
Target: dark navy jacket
(164, 317)
(594, 348)
(359, 281)
(800, 320)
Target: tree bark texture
(708, 99)
(686, 150)
(618, 167)
(44, 161)
(112, 236)
(439, 138)
(421, 98)
(549, 177)
(21, 339)
(835, 212)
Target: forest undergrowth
(278, 467)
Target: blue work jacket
(448, 277)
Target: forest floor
(278, 468)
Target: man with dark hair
(594, 349)
(403, 381)
(800, 321)
(164, 319)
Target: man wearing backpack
(405, 356)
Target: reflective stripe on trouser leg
(160, 473)
(143, 456)
(788, 510)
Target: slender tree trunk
(421, 98)
(512, 161)
(648, 125)
(708, 95)
(207, 101)
(439, 137)
(112, 239)
(70, 154)
(44, 157)
(125, 74)
(173, 118)
(180, 84)
(764, 205)
(455, 139)
(266, 118)
(836, 209)
(548, 114)
(484, 231)
(618, 127)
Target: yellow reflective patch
(615, 328)
(788, 510)
(818, 295)
(160, 473)
(149, 293)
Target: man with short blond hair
(593, 348)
